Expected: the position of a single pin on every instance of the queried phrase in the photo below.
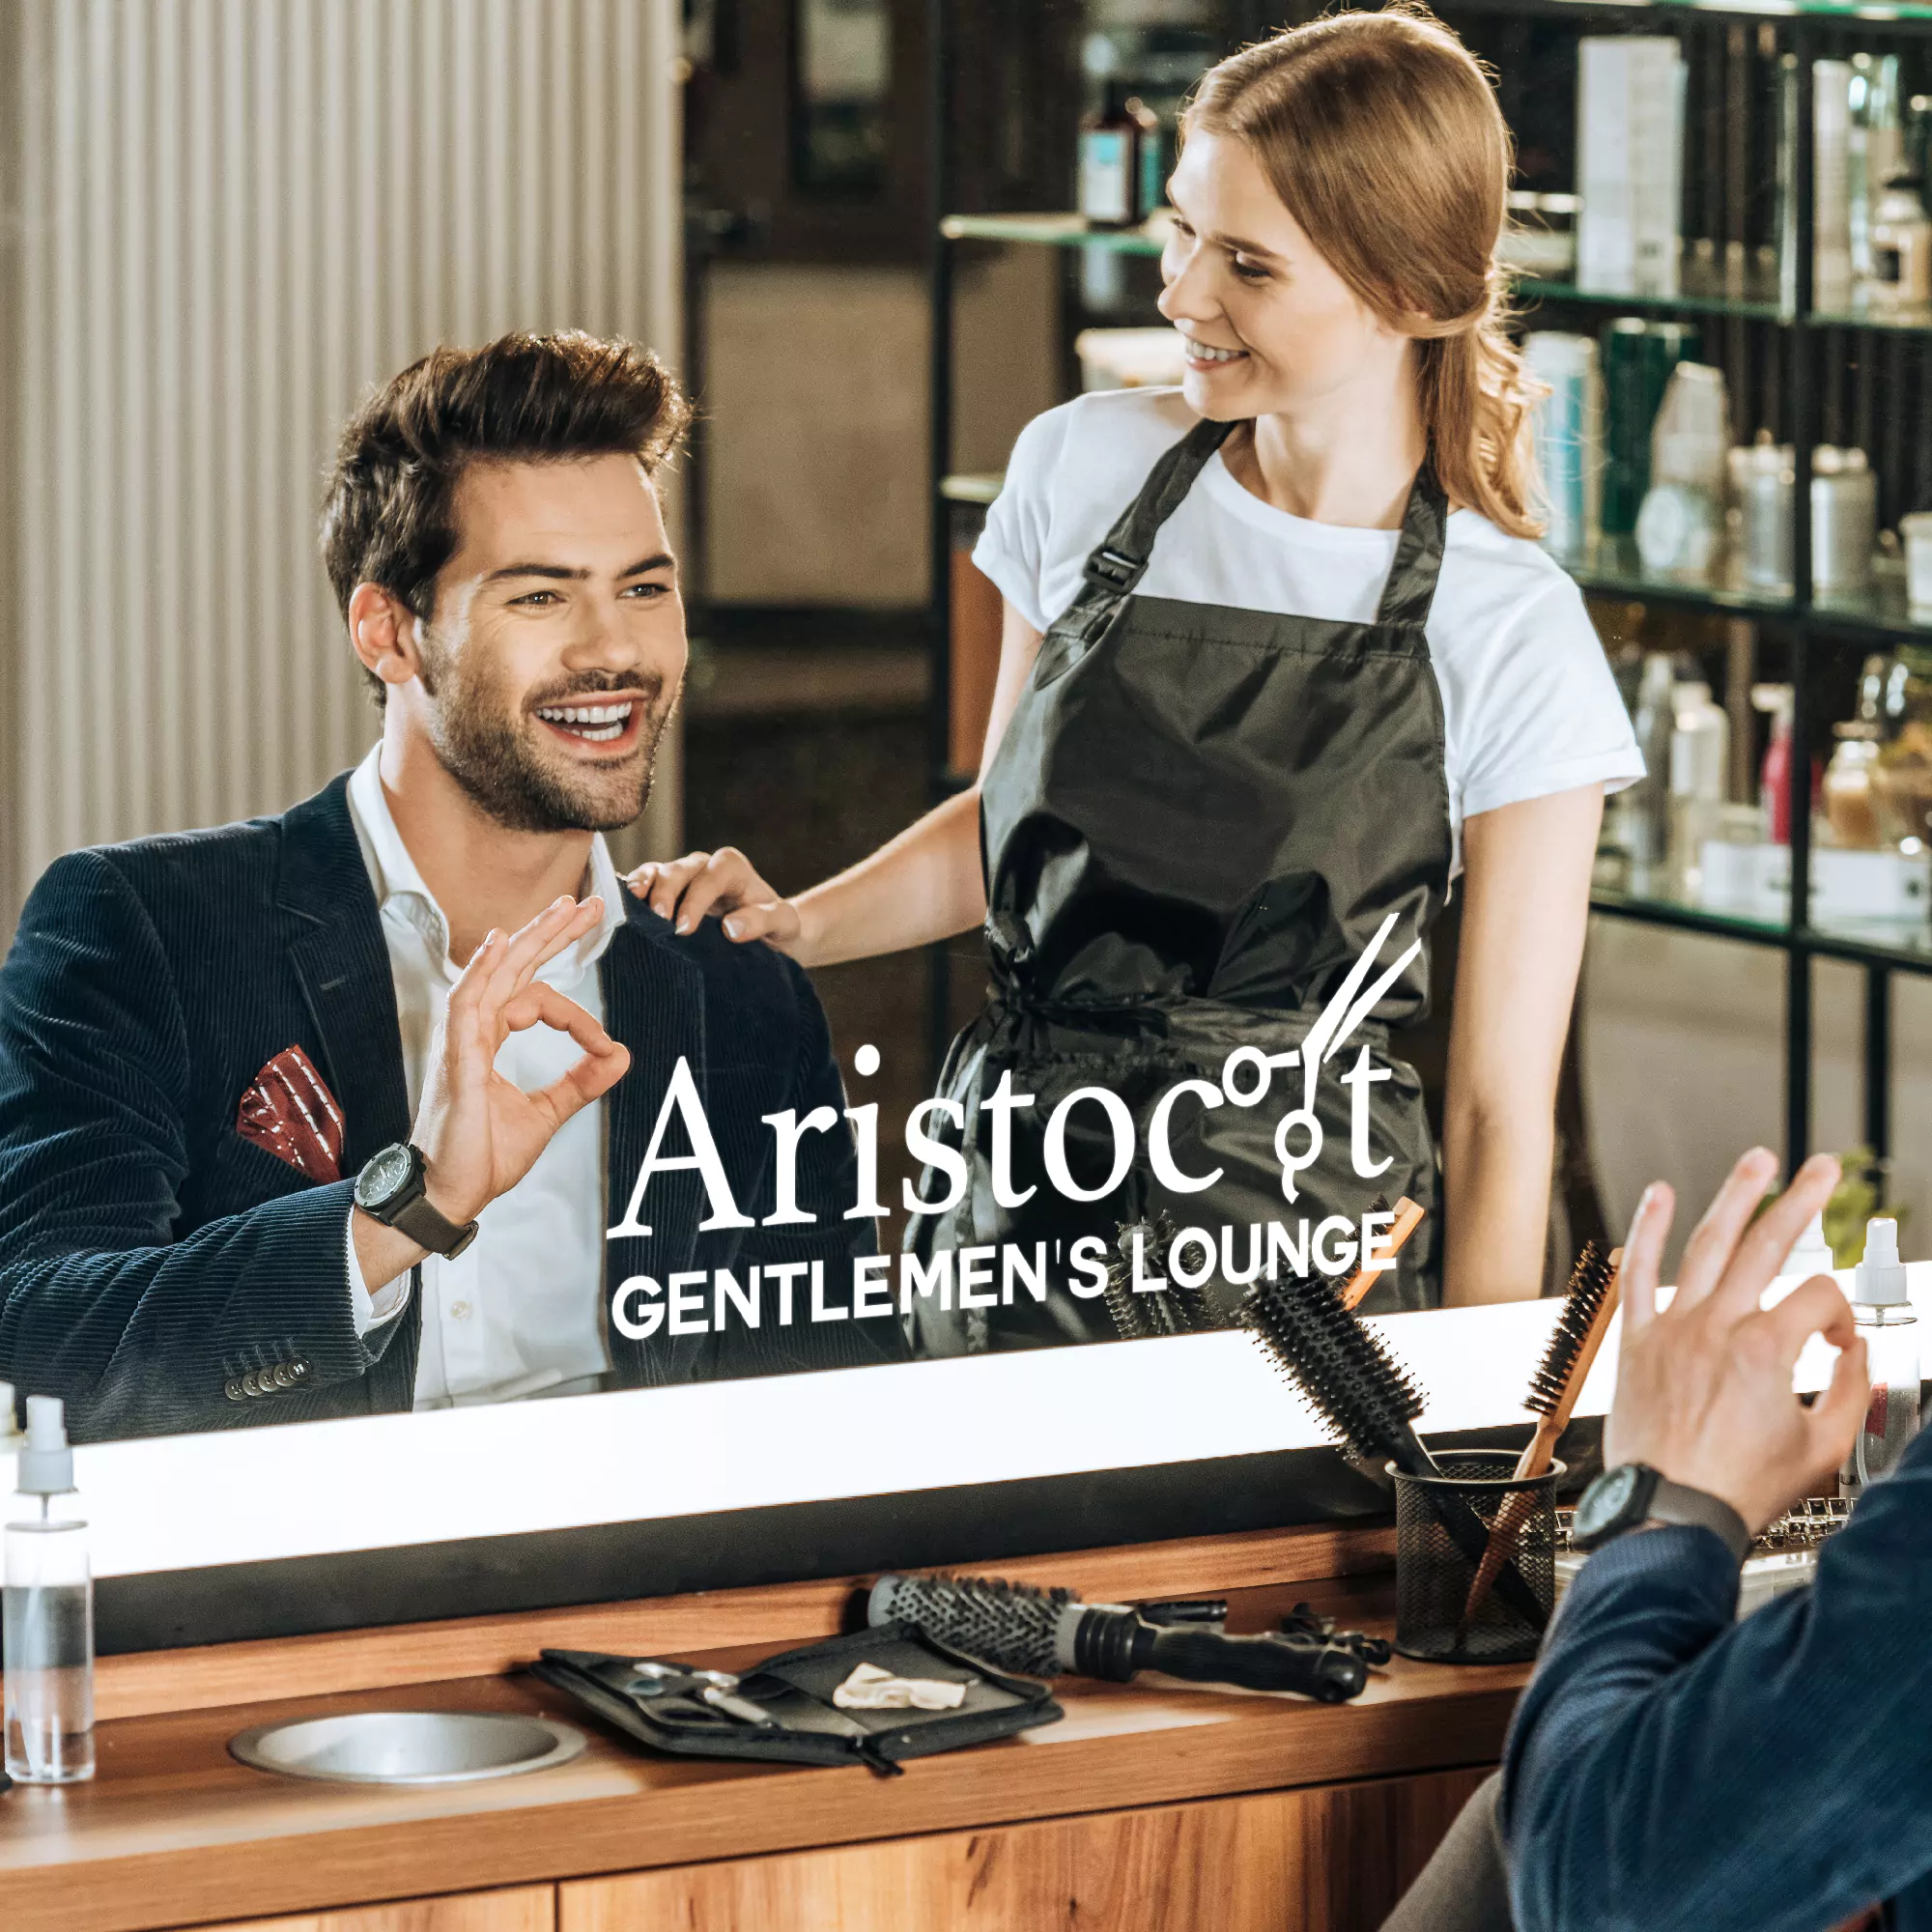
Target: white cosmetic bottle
(1890, 1332)
(48, 1614)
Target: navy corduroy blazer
(152, 1260)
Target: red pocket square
(289, 1110)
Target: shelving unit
(1793, 340)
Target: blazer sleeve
(140, 1332)
(1671, 1770)
(828, 1184)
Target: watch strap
(1675, 1503)
(430, 1229)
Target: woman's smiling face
(1271, 328)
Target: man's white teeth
(599, 724)
(1201, 351)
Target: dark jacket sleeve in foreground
(1669, 1769)
(99, 1304)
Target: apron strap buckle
(1114, 569)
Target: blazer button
(298, 1367)
(284, 1376)
(251, 1383)
(233, 1391)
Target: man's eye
(535, 598)
(645, 593)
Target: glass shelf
(1615, 570)
(1536, 288)
(1055, 231)
(1070, 231)
(1657, 907)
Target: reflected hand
(481, 1133)
(685, 889)
(1704, 1387)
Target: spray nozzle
(1812, 1253)
(46, 1463)
(1880, 1275)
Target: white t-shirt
(1529, 705)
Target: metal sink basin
(408, 1747)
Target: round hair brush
(1581, 1323)
(1368, 1401)
(1050, 1633)
(1175, 1309)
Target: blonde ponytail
(1381, 135)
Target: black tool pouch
(795, 1690)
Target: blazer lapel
(654, 1003)
(334, 933)
(335, 937)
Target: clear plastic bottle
(48, 1615)
(1890, 1332)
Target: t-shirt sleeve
(1544, 714)
(1014, 547)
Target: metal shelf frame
(1800, 619)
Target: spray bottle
(1890, 1332)
(1812, 1254)
(48, 1615)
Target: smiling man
(328, 1112)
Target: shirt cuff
(370, 1312)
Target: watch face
(383, 1178)
(1606, 1499)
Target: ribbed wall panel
(223, 220)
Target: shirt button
(460, 1310)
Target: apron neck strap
(1121, 562)
(1411, 588)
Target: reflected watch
(393, 1188)
(1634, 1494)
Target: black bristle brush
(1366, 1399)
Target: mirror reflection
(529, 874)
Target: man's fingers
(543, 938)
(1814, 1307)
(542, 1005)
(590, 1079)
(1644, 1255)
(1838, 1414)
(1762, 1250)
(1708, 1252)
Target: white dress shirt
(521, 1310)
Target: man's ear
(383, 629)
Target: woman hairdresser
(1280, 659)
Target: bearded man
(328, 1112)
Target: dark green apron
(1197, 821)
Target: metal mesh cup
(1435, 1617)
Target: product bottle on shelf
(1682, 520)
(1700, 745)
(1901, 247)
(1844, 522)
(1890, 1330)
(1110, 176)
(1647, 816)
(48, 1614)
(1831, 188)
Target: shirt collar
(399, 887)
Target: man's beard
(492, 751)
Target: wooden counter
(1152, 1805)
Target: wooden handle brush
(1559, 1378)
(1407, 1218)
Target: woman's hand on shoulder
(685, 891)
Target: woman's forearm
(1495, 1185)
(925, 885)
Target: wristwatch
(1634, 1494)
(392, 1189)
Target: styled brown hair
(1381, 135)
(389, 518)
